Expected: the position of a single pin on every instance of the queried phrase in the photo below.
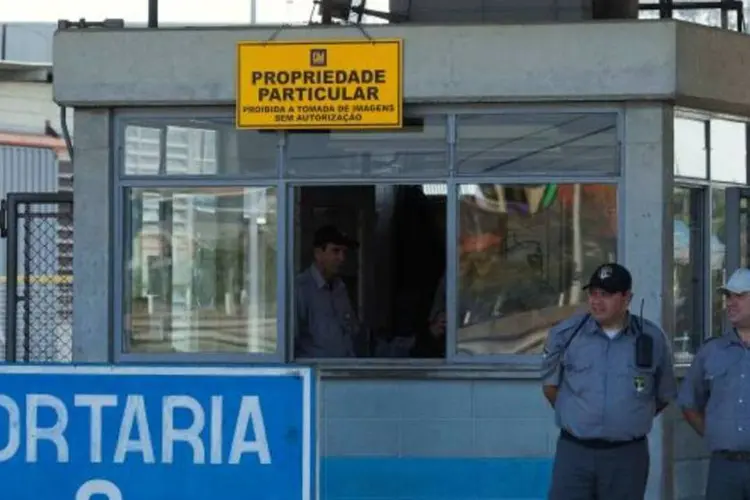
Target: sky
(172, 11)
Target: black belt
(733, 456)
(598, 444)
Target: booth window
(524, 253)
(208, 147)
(381, 284)
(331, 245)
(688, 205)
(200, 259)
(546, 144)
(710, 160)
(524, 249)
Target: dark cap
(612, 278)
(329, 235)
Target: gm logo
(318, 57)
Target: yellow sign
(319, 85)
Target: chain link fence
(39, 315)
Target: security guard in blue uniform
(715, 396)
(607, 374)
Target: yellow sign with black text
(348, 84)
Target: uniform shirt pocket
(578, 368)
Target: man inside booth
(326, 324)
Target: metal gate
(38, 228)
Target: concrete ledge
(587, 61)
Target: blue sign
(148, 433)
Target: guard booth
(517, 159)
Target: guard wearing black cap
(607, 373)
(326, 324)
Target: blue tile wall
(435, 439)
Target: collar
(731, 336)
(630, 327)
(320, 282)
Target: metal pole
(326, 12)
(253, 11)
(153, 13)
(11, 297)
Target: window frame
(285, 186)
(123, 182)
(707, 185)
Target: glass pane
(199, 147)
(524, 253)
(416, 150)
(687, 206)
(728, 151)
(690, 148)
(535, 143)
(201, 270)
(383, 296)
(718, 264)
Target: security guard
(326, 325)
(607, 374)
(715, 396)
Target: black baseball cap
(612, 278)
(330, 235)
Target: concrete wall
(92, 286)
(594, 61)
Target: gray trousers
(728, 480)
(583, 473)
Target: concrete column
(92, 283)
(647, 245)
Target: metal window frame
(285, 185)
(667, 8)
(700, 252)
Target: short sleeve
(554, 348)
(693, 393)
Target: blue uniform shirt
(602, 393)
(327, 326)
(718, 385)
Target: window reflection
(523, 253)
(718, 264)
(201, 270)
(728, 151)
(690, 148)
(687, 206)
(537, 143)
(417, 149)
(198, 147)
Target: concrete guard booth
(526, 155)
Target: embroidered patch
(605, 272)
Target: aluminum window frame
(123, 182)
(515, 363)
(732, 191)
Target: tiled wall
(419, 439)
